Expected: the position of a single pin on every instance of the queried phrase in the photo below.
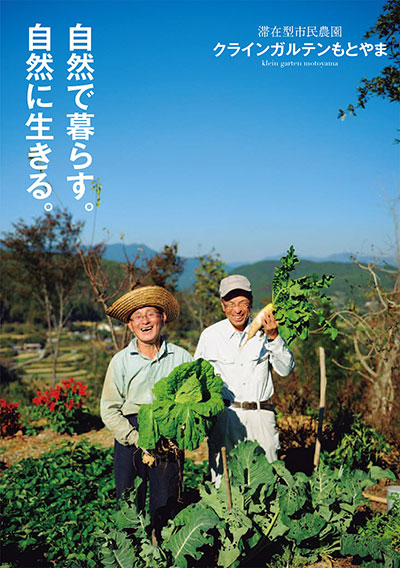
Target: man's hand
(133, 438)
(270, 325)
(148, 458)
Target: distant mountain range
(341, 257)
(119, 251)
(260, 273)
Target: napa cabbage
(183, 408)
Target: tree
(375, 334)
(161, 270)
(207, 306)
(42, 260)
(387, 84)
(165, 268)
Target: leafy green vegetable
(294, 300)
(126, 542)
(52, 506)
(360, 448)
(277, 519)
(191, 534)
(185, 402)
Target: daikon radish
(256, 324)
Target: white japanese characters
(80, 75)
(299, 31)
(40, 73)
(283, 48)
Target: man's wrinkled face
(237, 310)
(146, 323)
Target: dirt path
(20, 447)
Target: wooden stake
(375, 498)
(322, 400)
(226, 475)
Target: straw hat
(155, 296)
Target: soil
(19, 447)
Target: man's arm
(111, 409)
(200, 348)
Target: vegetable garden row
(59, 510)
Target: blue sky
(210, 152)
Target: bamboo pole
(226, 475)
(322, 400)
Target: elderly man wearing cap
(246, 371)
(129, 381)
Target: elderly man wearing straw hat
(129, 381)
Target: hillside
(350, 281)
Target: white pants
(236, 425)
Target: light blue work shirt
(129, 381)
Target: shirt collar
(164, 348)
(232, 332)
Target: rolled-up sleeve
(281, 358)
(111, 404)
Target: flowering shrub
(9, 418)
(62, 406)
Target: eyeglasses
(153, 315)
(240, 306)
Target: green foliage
(41, 258)
(295, 300)
(165, 268)
(387, 84)
(194, 474)
(349, 284)
(43, 265)
(53, 504)
(185, 402)
(300, 392)
(361, 447)
(380, 536)
(96, 363)
(206, 289)
(14, 388)
(276, 519)
(126, 542)
(189, 533)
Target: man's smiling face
(146, 323)
(237, 310)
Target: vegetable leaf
(295, 300)
(193, 523)
(185, 402)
